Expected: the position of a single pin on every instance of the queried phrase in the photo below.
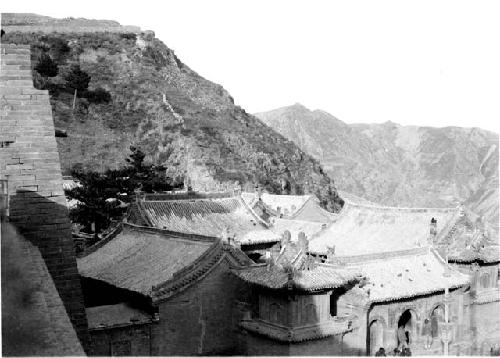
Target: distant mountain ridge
(399, 165)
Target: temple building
(408, 281)
(353, 272)
(151, 292)
(293, 308)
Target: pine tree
(46, 66)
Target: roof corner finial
(433, 230)
(139, 194)
(303, 242)
(461, 209)
(290, 277)
(286, 238)
(330, 253)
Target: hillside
(399, 165)
(158, 103)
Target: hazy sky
(412, 62)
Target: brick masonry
(134, 340)
(29, 160)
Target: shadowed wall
(29, 161)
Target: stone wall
(71, 29)
(25, 22)
(256, 345)
(29, 160)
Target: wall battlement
(29, 161)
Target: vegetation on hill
(141, 94)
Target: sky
(432, 63)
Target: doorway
(405, 328)
(376, 336)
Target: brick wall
(71, 29)
(29, 160)
(134, 340)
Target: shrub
(99, 95)
(46, 67)
(129, 36)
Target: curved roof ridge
(402, 208)
(449, 226)
(197, 270)
(143, 213)
(252, 212)
(356, 259)
(174, 235)
(301, 208)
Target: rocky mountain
(399, 165)
(141, 94)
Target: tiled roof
(209, 217)
(406, 276)
(115, 316)
(365, 229)
(34, 320)
(323, 276)
(139, 258)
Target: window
(275, 313)
(311, 314)
(485, 280)
(333, 304)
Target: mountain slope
(178, 118)
(399, 165)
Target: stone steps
(15, 57)
(13, 47)
(23, 102)
(17, 83)
(15, 72)
(17, 67)
(28, 106)
(21, 90)
(22, 52)
(14, 78)
(25, 62)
